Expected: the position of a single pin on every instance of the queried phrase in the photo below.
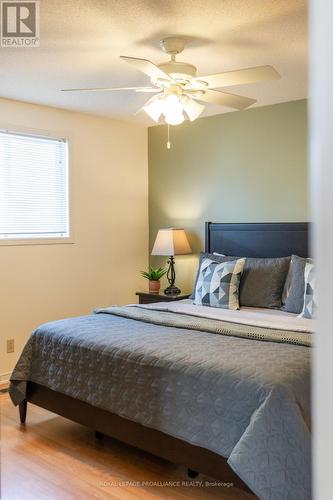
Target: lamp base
(172, 290)
(171, 275)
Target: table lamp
(171, 242)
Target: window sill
(37, 241)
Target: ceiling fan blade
(108, 89)
(147, 67)
(226, 99)
(240, 77)
(148, 89)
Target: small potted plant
(154, 276)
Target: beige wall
(248, 166)
(108, 167)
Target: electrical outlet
(10, 345)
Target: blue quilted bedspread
(245, 399)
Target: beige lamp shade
(171, 242)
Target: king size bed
(223, 392)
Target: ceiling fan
(178, 88)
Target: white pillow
(310, 305)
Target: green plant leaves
(154, 274)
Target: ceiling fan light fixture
(173, 110)
(192, 108)
(172, 107)
(172, 104)
(154, 108)
(174, 118)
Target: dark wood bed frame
(251, 240)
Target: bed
(225, 393)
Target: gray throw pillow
(295, 286)
(262, 281)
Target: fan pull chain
(168, 143)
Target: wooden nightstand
(148, 298)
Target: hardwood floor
(51, 458)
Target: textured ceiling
(81, 41)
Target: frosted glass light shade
(174, 119)
(154, 108)
(192, 108)
(171, 242)
(173, 110)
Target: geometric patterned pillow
(310, 305)
(218, 283)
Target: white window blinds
(33, 187)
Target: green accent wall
(245, 166)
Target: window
(33, 187)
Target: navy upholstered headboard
(258, 240)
